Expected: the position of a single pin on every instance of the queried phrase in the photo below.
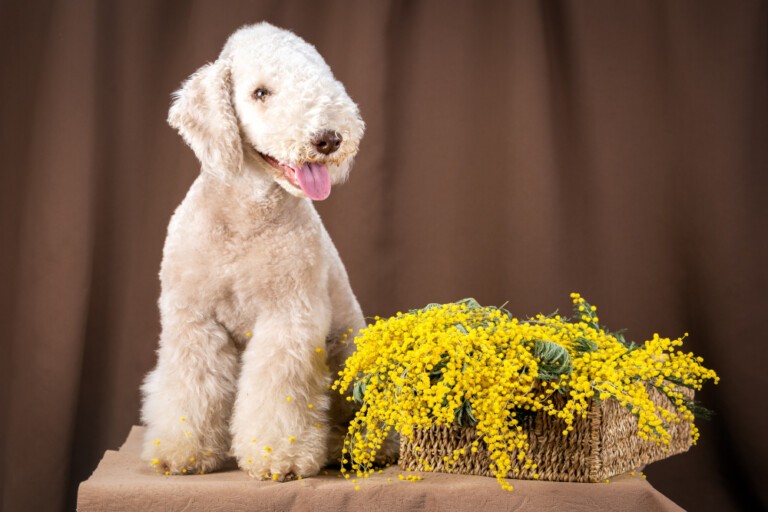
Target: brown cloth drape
(515, 151)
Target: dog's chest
(283, 266)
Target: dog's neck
(250, 193)
(259, 187)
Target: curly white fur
(254, 295)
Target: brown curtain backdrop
(515, 151)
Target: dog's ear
(203, 114)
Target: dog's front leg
(279, 425)
(188, 397)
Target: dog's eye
(261, 93)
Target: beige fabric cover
(122, 482)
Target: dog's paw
(280, 459)
(186, 465)
(278, 469)
(182, 457)
(169, 462)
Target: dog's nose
(327, 142)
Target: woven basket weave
(602, 445)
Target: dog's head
(270, 98)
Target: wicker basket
(602, 445)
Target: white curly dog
(255, 300)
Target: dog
(255, 302)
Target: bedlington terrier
(255, 301)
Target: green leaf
(554, 359)
(698, 410)
(678, 382)
(584, 345)
(470, 303)
(472, 419)
(358, 391)
(464, 416)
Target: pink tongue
(314, 181)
